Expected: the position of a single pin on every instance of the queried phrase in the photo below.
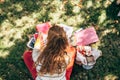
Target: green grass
(19, 17)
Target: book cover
(44, 27)
(86, 36)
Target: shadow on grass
(111, 42)
(12, 67)
(110, 59)
(113, 10)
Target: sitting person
(55, 60)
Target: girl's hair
(52, 57)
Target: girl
(56, 59)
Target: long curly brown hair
(52, 57)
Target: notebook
(86, 36)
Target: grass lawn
(19, 17)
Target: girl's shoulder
(71, 51)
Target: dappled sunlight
(14, 31)
(1, 78)
(4, 54)
(6, 24)
(108, 2)
(10, 32)
(26, 21)
(9, 35)
(89, 4)
(96, 45)
(56, 16)
(17, 7)
(76, 9)
(102, 17)
(111, 77)
(35, 15)
(75, 20)
(105, 32)
(97, 5)
(54, 2)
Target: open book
(67, 29)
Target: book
(32, 41)
(67, 29)
(86, 36)
(43, 28)
(40, 41)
